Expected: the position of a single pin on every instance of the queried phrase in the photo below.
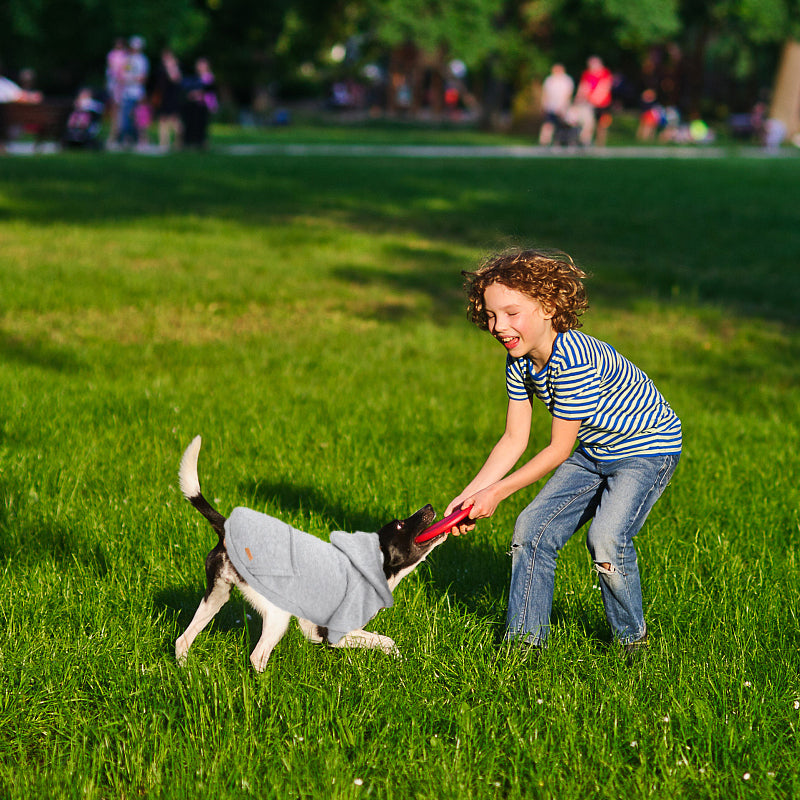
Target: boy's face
(519, 322)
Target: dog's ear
(391, 533)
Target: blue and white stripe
(622, 412)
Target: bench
(47, 121)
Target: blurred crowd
(583, 114)
(137, 105)
(136, 99)
(167, 106)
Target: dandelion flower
(359, 782)
(746, 776)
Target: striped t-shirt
(622, 412)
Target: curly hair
(550, 277)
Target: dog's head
(401, 553)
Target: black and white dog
(333, 588)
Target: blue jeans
(127, 121)
(618, 496)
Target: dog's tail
(190, 486)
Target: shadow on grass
(650, 227)
(183, 603)
(37, 353)
(477, 577)
(468, 571)
(31, 544)
(232, 619)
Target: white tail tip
(187, 474)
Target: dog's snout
(425, 515)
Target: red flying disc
(443, 525)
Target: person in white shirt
(557, 92)
(11, 92)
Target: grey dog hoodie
(339, 585)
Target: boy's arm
(484, 501)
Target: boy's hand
(484, 503)
(481, 505)
(463, 527)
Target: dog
(333, 589)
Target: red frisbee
(443, 525)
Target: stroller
(84, 121)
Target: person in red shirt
(594, 89)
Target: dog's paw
(181, 651)
(385, 645)
(389, 647)
(259, 662)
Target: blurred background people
(200, 102)
(135, 70)
(84, 121)
(557, 92)
(167, 101)
(115, 65)
(652, 118)
(594, 90)
(11, 92)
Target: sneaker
(635, 651)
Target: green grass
(305, 316)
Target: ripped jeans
(618, 497)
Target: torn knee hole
(605, 568)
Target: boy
(629, 442)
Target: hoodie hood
(363, 551)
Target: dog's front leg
(274, 624)
(361, 638)
(206, 611)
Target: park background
(301, 308)
(710, 60)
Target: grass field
(305, 316)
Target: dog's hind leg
(218, 593)
(311, 631)
(206, 611)
(275, 622)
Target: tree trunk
(786, 93)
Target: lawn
(305, 315)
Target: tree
(785, 104)
(258, 44)
(464, 29)
(779, 21)
(66, 40)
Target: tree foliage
(639, 23)
(464, 29)
(256, 42)
(65, 41)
